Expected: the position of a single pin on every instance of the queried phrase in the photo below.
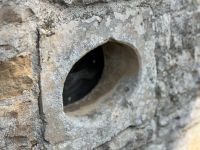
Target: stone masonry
(148, 97)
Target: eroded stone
(9, 15)
(15, 76)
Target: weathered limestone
(20, 125)
(120, 109)
(15, 76)
(147, 97)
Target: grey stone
(147, 97)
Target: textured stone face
(20, 125)
(15, 76)
(8, 15)
(147, 97)
(114, 110)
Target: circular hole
(109, 69)
(83, 76)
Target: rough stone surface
(15, 76)
(155, 108)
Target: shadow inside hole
(83, 76)
(119, 69)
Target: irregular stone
(9, 15)
(15, 76)
(152, 107)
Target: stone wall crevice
(46, 143)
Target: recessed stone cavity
(83, 76)
(110, 68)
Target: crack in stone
(40, 105)
(105, 143)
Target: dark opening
(83, 76)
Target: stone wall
(147, 98)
